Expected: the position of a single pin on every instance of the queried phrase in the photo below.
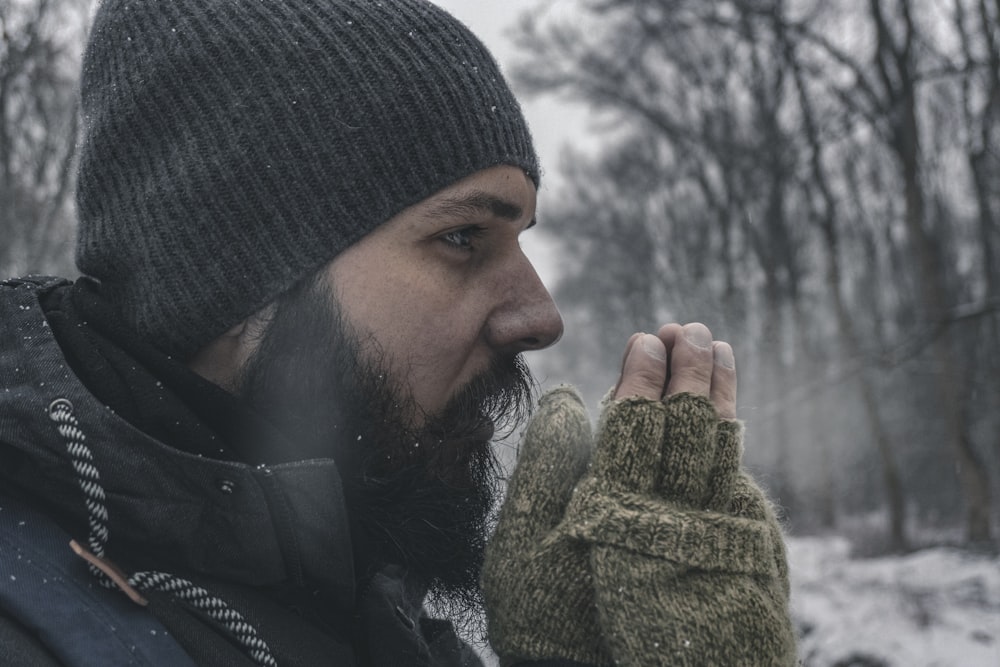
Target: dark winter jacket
(239, 564)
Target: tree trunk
(932, 286)
(826, 215)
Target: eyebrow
(477, 202)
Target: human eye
(463, 238)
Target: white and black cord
(61, 412)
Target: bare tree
(886, 92)
(39, 64)
(825, 212)
(978, 28)
(780, 181)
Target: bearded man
(257, 429)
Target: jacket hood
(268, 525)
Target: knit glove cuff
(676, 498)
(699, 539)
(687, 561)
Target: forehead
(503, 193)
(501, 199)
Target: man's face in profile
(443, 288)
(400, 359)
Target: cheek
(437, 350)
(431, 338)
(428, 322)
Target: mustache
(491, 405)
(504, 393)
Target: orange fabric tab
(111, 570)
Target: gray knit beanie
(233, 147)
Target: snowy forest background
(819, 182)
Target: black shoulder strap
(51, 593)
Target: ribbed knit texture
(686, 563)
(683, 576)
(232, 147)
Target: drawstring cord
(89, 479)
(110, 570)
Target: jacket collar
(265, 525)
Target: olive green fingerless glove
(536, 581)
(687, 559)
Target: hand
(536, 581)
(686, 558)
(697, 365)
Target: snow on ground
(937, 607)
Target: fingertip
(691, 360)
(628, 346)
(698, 335)
(645, 370)
(723, 391)
(668, 333)
(653, 347)
(628, 349)
(722, 353)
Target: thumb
(644, 369)
(553, 456)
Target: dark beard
(422, 498)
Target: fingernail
(652, 346)
(724, 356)
(699, 335)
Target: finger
(723, 390)
(689, 449)
(728, 450)
(691, 361)
(553, 456)
(669, 333)
(645, 370)
(628, 348)
(629, 443)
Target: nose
(527, 318)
